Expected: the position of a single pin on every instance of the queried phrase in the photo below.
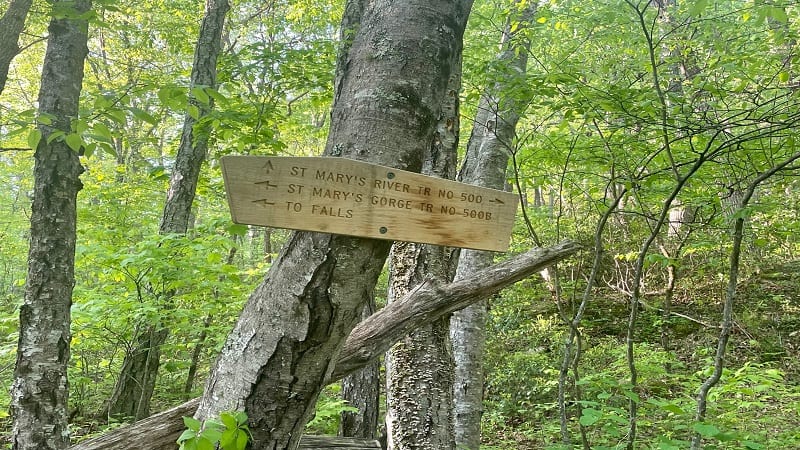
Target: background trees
(655, 116)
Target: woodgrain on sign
(343, 196)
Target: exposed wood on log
(157, 432)
(368, 340)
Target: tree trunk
(485, 164)
(137, 380)
(419, 369)
(361, 389)
(40, 390)
(11, 26)
(281, 351)
(195, 361)
(372, 337)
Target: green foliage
(327, 412)
(230, 432)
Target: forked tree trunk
(419, 369)
(40, 390)
(485, 164)
(137, 380)
(11, 26)
(281, 351)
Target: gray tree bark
(281, 351)
(40, 391)
(370, 339)
(485, 163)
(419, 369)
(137, 380)
(11, 26)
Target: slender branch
(573, 324)
(15, 149)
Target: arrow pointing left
(267, 184)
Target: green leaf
(228, 419)
(58, 134)
(117, 115)
(707, 430)
(697, 6)
(103, 132)
(237, 230)
(783, 77)
(673, 408)
(590, 416)
(241, 441)
(213, 434)
(752, 445)
(205, 444)
(80, 126)
(192, 423)
(194, 111)
(74, 141)
(228, 439)
(189, 445)
(213, 93)
(198, 92)
(88, 149)
(186, 435)
(143, 115)
(777, 13)
(33, 138)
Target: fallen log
(370, 339)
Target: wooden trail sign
(344, 196)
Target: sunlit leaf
(34, 136)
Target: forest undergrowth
(756, 405)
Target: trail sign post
(343, 196)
